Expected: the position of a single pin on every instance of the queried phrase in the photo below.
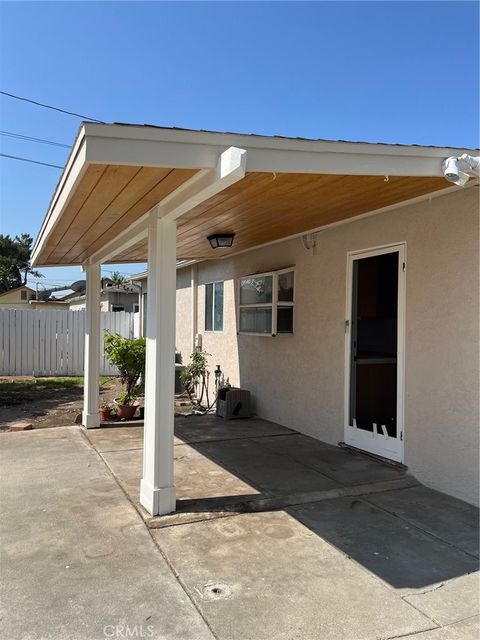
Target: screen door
(374, 345)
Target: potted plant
(126, 405)
(105, 412)
(128, 355)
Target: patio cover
(117, 173)
(134, 193)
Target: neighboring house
(348, 303)
(112, 298)
(24, 297)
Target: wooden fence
(51, 343)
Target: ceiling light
(221, 240)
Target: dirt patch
(47, 405)
(54, 402)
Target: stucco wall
(184, 332)
(298, 380)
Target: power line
(45, 164)
(48, 106)
(19, 136)
(47, 281)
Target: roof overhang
(263, 188)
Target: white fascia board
(73, 172)
(230, 167)
(149, 146)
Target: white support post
(157, 490)
(90, 417)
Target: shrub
(128, 355)
(195, 376)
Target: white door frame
(377, 442)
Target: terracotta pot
(105, 414)
(126, 411)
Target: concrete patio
(276, 535)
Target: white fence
(51, 343)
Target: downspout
(194, 310)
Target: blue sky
(400, 72)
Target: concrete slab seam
(177, 577)
(272, 435)
(418, 526)
(445, 626)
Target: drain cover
(214, 591)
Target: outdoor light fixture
(458, 170)
(219, 240)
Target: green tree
(15, 264)
(118, 279)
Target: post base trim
(157, 502)
(90, 420)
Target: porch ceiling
(263, 208)
(107, 200)
(116, 174)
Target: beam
(90, 415)
(230, 167)
(136, 232)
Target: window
(136, 308)
(214, 306)
(118, 307)
(23, 295)
(266, 303)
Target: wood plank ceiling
(258, 209)
(107, 200)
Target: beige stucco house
(25, 298)
(345, 297)
(299, 376)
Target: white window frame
(273, 305)
(213, 330)
(136, 307)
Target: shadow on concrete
(410, 536)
